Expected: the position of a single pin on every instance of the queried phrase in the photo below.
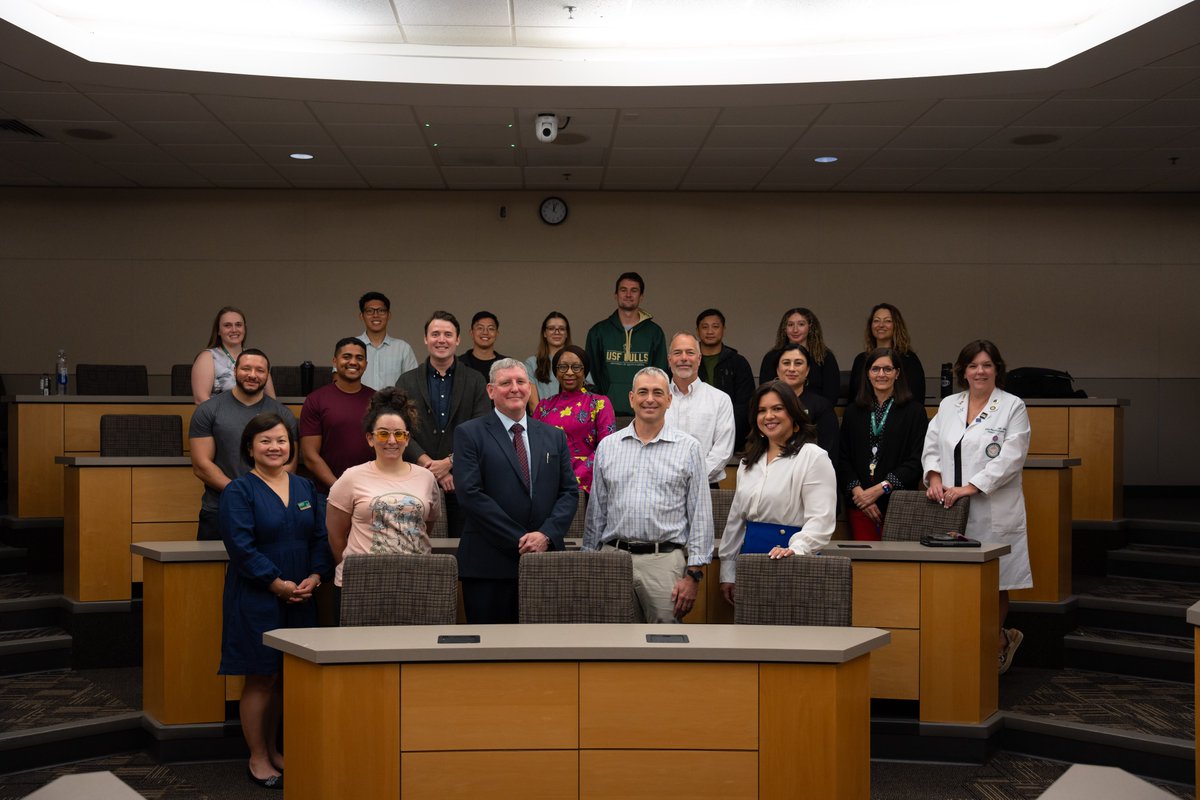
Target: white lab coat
(998, 511)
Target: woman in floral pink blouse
(586, 417)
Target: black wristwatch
(695, 574)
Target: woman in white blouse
(785, 482)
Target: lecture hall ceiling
(419, 95)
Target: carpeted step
(1130, 653)
(1136, 604)
(1157, 562)
(34, 649)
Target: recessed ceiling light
(302, 156)
(825, 159)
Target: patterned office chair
(575, 531)
(127, 380)
(139, 435)
(578, 587)
(394, 589)
(181, 380)
(800, 590)
(911, 515)
(440, 529)
(722, 499)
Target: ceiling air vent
(14, 129)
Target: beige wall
(1103, 286)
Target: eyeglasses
(374, 312)
(556, 329)
(382, 436)
(882, 370)
(576, 368)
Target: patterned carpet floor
(41, 699)
(1139, 590)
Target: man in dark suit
(447, 395)
(517, 490)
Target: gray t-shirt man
(223, 418)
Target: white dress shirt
(386, 363)
(706, 413)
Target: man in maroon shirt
(331, 434)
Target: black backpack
(1039, 382)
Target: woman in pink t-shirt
(386, 505)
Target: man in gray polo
(650, 498)
(216, 433)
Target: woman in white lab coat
(975, 447)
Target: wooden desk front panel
(166, 494)
(502, 706)
(35, 482)
(1048, 517)
(525, 774)
(887, 594)
(96, 562)
(960, 631)
(1098, 438)
(682, 774)
(1049, 431)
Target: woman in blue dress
(273, 526)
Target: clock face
(553, 210)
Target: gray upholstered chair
(128, 380)
(181, 380)
(441, 528)
(575, 531)
(799, 590)
(133, 435)
(911, 515)
(722, 499)
(395, 589)
(577, 586)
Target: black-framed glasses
(882, 370)
(576, 368)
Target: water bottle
(61, 369)
(306, 378)
(44, 384)
(947, 379)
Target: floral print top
(586, 418)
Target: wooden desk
(111, 502)
(44, 427)
(1047, 486)
(1193, 617)
(942, 606)
(181, 632)
(587, 711)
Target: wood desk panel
(1048, 515)
(887, 594)
(638, 706)
(35, 482)
(683, 774)
(1049, 431)
(960, 630)
(166, 494)
(1098, 437)
(489, 706)
(896, 668)
(527, 774)
(96, 563)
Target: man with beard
(331, 438)
(216, 433)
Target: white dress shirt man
(696, 408)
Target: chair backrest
(722, 499)
(132, 435)
(181, 380)
(112, 379)
(575, 531)
(441, 528)
(396, 589)
(286, 380)
(577, 586)
(800, 590)
(910, 515)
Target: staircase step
(1172, 533)
(34, 649)
(1157, 562)
(1136, 604)
(1128, 653)
(12, 559)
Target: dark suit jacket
(468, 400)
(499, 509)
(899, 447)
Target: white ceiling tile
(213, 153)
(650, 157)
(1079, 113)
(53, 106)
(659, 136)
(1008, 159)
(924, 136)
(256, 109)
(770, 115)
(594, 13)
(836, 136)
(630, 117)
(643, 178)
(479, 177)
(554, 37)
(186, 132)
(362, 114)
(453, 12)
(1166, 112)
(152, 106)
(977, 112)
(565, 156)
(286, 135)
(737, 157)
(389, 156)
(1133, 137)
(895, 112)
(377, 135)
(370, 34)
(464, 115)
(581, 178)
(753, 136)
(913, 158)
(402, 177)
(459, 35)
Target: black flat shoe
(273, 782)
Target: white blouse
(798, 490)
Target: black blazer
(825, 378)
(910, 368)
(468, 400)
(824, 417)
(492, 494)
(899, 447)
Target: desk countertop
(915, 551)
(758, 643)
(113, 461)
(180, 551)
(1193, 614)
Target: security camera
(546, 127)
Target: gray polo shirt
(223, 418)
